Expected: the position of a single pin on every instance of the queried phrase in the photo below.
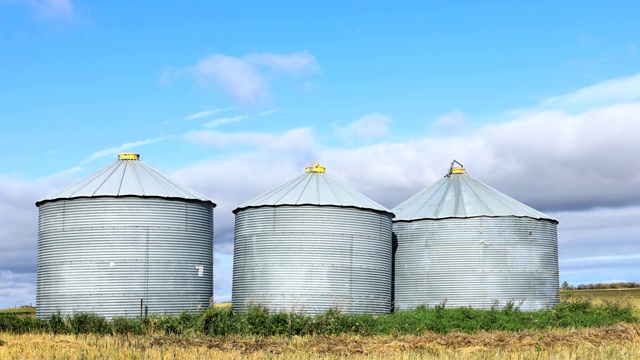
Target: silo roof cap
(314, 187)
(128, 176)
(458, 195)
(128, 156)
(315, 168)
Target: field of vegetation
(616, 342)
(22, 310)
(597, 296)
(585, 325)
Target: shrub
(88, 323)
(219, 321)
(127, 326)
(10, 323)
(57, 324)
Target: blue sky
(540, 100)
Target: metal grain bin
(463, 243)
(123, 235)
(310, 245)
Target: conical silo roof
(314, 187)
(458, 195)
(128, 176)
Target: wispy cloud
(623, 89)
(299, 63)
(242, 78)
(449, 123)
(117, 149)
(235, 76)
(604, 258)
(270, 112)
(371, 126)
(206, 113)
(294, 139)
(222, 121)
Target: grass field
(597, 296)
(23, 310)
(618, 341)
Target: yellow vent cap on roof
(458, 169)
(316, 168)
(128, 156)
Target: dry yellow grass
(223, 304)
(598, 296)
(616, 342)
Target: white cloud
(300, 63)
(371, 126)
(203, 114)
(114, 150)
(623, 89)
(450, 123)
(242, 78)
(17, 289)
(19, 234)
(295, 139)
(235, 76)
(568, 161)
(270, 112)
(604, 258)
(599, 233)
(548, 159)
(222, 121)
(575, 167)
(579, 168)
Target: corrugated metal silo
(310, 245)
(464, 243)
(123, 235)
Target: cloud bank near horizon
(577, 166)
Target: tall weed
(259, 321)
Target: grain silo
(463, 243)
(122, 240)
(310, 245)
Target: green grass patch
(258, 321)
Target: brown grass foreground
(617, 342)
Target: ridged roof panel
(458, 195)
(126, 177)
(313, 188)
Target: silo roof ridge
(126, 177)
(459, 195)
(313, 188)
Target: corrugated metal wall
(476, 262)
(312, 258)
(104, 254)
